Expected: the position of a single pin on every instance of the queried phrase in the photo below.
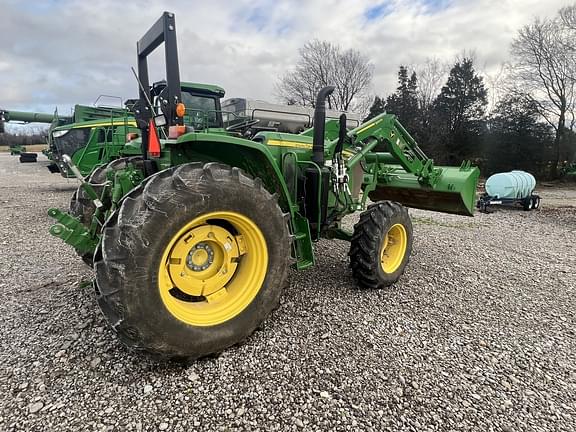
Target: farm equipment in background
(279, 118)
(192, 235)
(17, 150)
(93, 137)
(98, 134)
(28, 117)
(89, 130)
(514, 188)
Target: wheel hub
(203, 260)
(393, 248)
(200, 257)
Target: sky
(56, 53)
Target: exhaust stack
(319, 125)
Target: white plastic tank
(513, 184)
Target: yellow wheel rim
(212, 269)
(393, 248)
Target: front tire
(381, 245)
(193, 262)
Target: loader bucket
(454, 192)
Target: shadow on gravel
(565, 215)
(44, 286)
(56, 188)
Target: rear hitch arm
(72, 231)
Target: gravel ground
(479, 334)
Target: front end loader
(191, 239)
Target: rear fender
(257, 160)
(250, 156)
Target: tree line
(455, 125)
(523, 119)
(9, 139)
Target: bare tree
(543, 73)
(496, 84)
(431, 76)
(323, 63)
(568, 16)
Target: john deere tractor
(192, 238)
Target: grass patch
(33, 148)
(85, 283)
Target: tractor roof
(196, 87)
(205, 88)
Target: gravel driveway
(479, 334)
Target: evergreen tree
(517, 139)
(404, 102)
(459, 114)
(378, 107)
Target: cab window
(200, 110)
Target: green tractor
(191, 238)
(17, 150)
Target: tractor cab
(202, 103)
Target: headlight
(60, 133)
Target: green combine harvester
(90, 135)
(93, 137)
(27, 117)
(192, 232)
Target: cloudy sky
(62, 52)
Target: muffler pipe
(319, 125)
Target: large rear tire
(381, 245)
(193, 262)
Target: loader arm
(401, 148)
(402, 172)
